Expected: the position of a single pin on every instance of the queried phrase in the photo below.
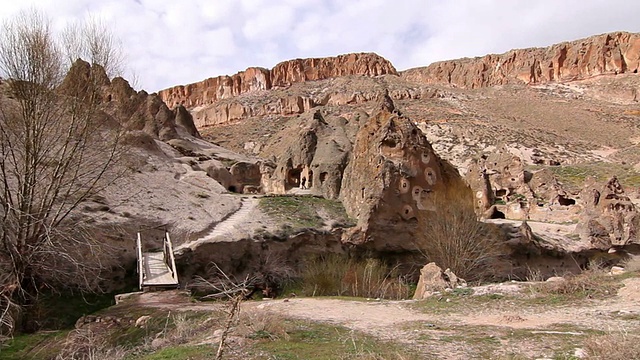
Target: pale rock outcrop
(283, 74)
(610, 219)
(612, 53)
(434, 280)
(133, 110)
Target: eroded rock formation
(133, 110)
(610, 218)
(392, 175)
(503, 188)
(314, 158)
(612, 53)
(283, 74)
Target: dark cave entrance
(565, 201)
(293, 178)
(497, 214)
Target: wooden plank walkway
(156, 271)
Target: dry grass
(262, 325)
(452, 237)
(632, 264)
(613, 346)
(593, 283)
(84, 344)
(336, 275)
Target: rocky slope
(283, 74)
(613, 53)
(522, 143)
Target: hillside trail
(406, 321)
(239, 224)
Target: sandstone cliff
(612, 53)
(283, 74)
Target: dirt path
(242, 223)
(457, 332)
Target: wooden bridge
(157, 270)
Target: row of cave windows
(295, 179)
(562, 200)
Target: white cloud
(170, 42)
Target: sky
(176, 42)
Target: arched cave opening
(232, 188)
(497, 214)
(565, 201)
(310, 180)
(293, 178)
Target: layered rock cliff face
(612, 53)
(283, 74)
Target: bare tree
(92, 41)
(57, 149)
(224, 287)
(454, 238)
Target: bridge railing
(169, 258)
(140, 261)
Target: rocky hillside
(607, 54)
(526, 129)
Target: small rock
(580, 353)
(158, 343)
(617, 270)
(143, 320)
(555, 279)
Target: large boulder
(433, 280)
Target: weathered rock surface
(613, 53)
(433, 280)
(313, 159)
(349, 90)
(133, 110)
(610, 219)
(282, 75)
(503, 188)
(390, 178)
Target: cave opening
(293, 178)
(497, 214)
(323, 177)
(565, 201)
